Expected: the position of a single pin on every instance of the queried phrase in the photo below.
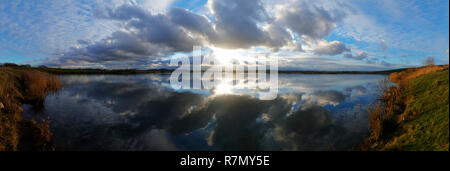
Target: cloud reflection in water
(142, 112)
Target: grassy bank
(414, 114)
(17, 87)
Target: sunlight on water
(143, 112)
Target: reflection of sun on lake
(142, 112)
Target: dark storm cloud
(331, 48)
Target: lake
(143, 112)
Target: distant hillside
(414, 115)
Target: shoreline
(18, 87)
(390, 121)
(61, 71)
(408, 116)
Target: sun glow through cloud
(128, 34)
(223, 88)
(226, 57)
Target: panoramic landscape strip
(206, 84)
(407, 116)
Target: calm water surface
(142, 112)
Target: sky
(303, 34)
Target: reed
(19, 87)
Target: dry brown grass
(18, 87)
(376, 118)
(36, 85)
(383, 118)
(403, 78)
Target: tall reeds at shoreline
(18, 87)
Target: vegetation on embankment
(414, 114)
(17, 87)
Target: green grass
(425, 127)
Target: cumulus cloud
(245, 24)
(237, 22)
(191, 21)
(307, 20)
(311, 24)
(359, 56)
(331, 48)
(144, 36)
(232, 24)
(272, 25)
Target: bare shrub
(429, 61)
